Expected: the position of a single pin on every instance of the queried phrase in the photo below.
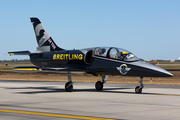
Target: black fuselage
(96, 65)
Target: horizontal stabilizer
(19, 53)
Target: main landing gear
(138, 89)
(69, 84)
(99, 84)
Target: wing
(30, 69)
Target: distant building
(154, 60)
(172, 60)
(179, 58)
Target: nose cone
(164, 73)
(151, 70)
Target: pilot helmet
(124, 52)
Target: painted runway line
(53, 115)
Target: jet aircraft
(98, 61)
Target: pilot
(97, 51)
(103, 52)
(100, 52)
(123, 55)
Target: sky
(150, 29)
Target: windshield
(126, 55)
(115, 53)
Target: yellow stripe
(11, 53)
(53, 115)
(165, 94)
(29, 69)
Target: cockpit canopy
(115, 53)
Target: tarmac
(40, 100)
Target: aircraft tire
(99, 85)
(138, 90)
(70, 88)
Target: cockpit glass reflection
(115, 53)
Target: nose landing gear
(138, 89)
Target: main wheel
(138, 89)
(99, 85)
(68, 87)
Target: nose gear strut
(138, 89)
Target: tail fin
(45, 42)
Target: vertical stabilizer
(44, 40)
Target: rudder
(44, 40)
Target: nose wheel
(138, 89)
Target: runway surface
(33, 100)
